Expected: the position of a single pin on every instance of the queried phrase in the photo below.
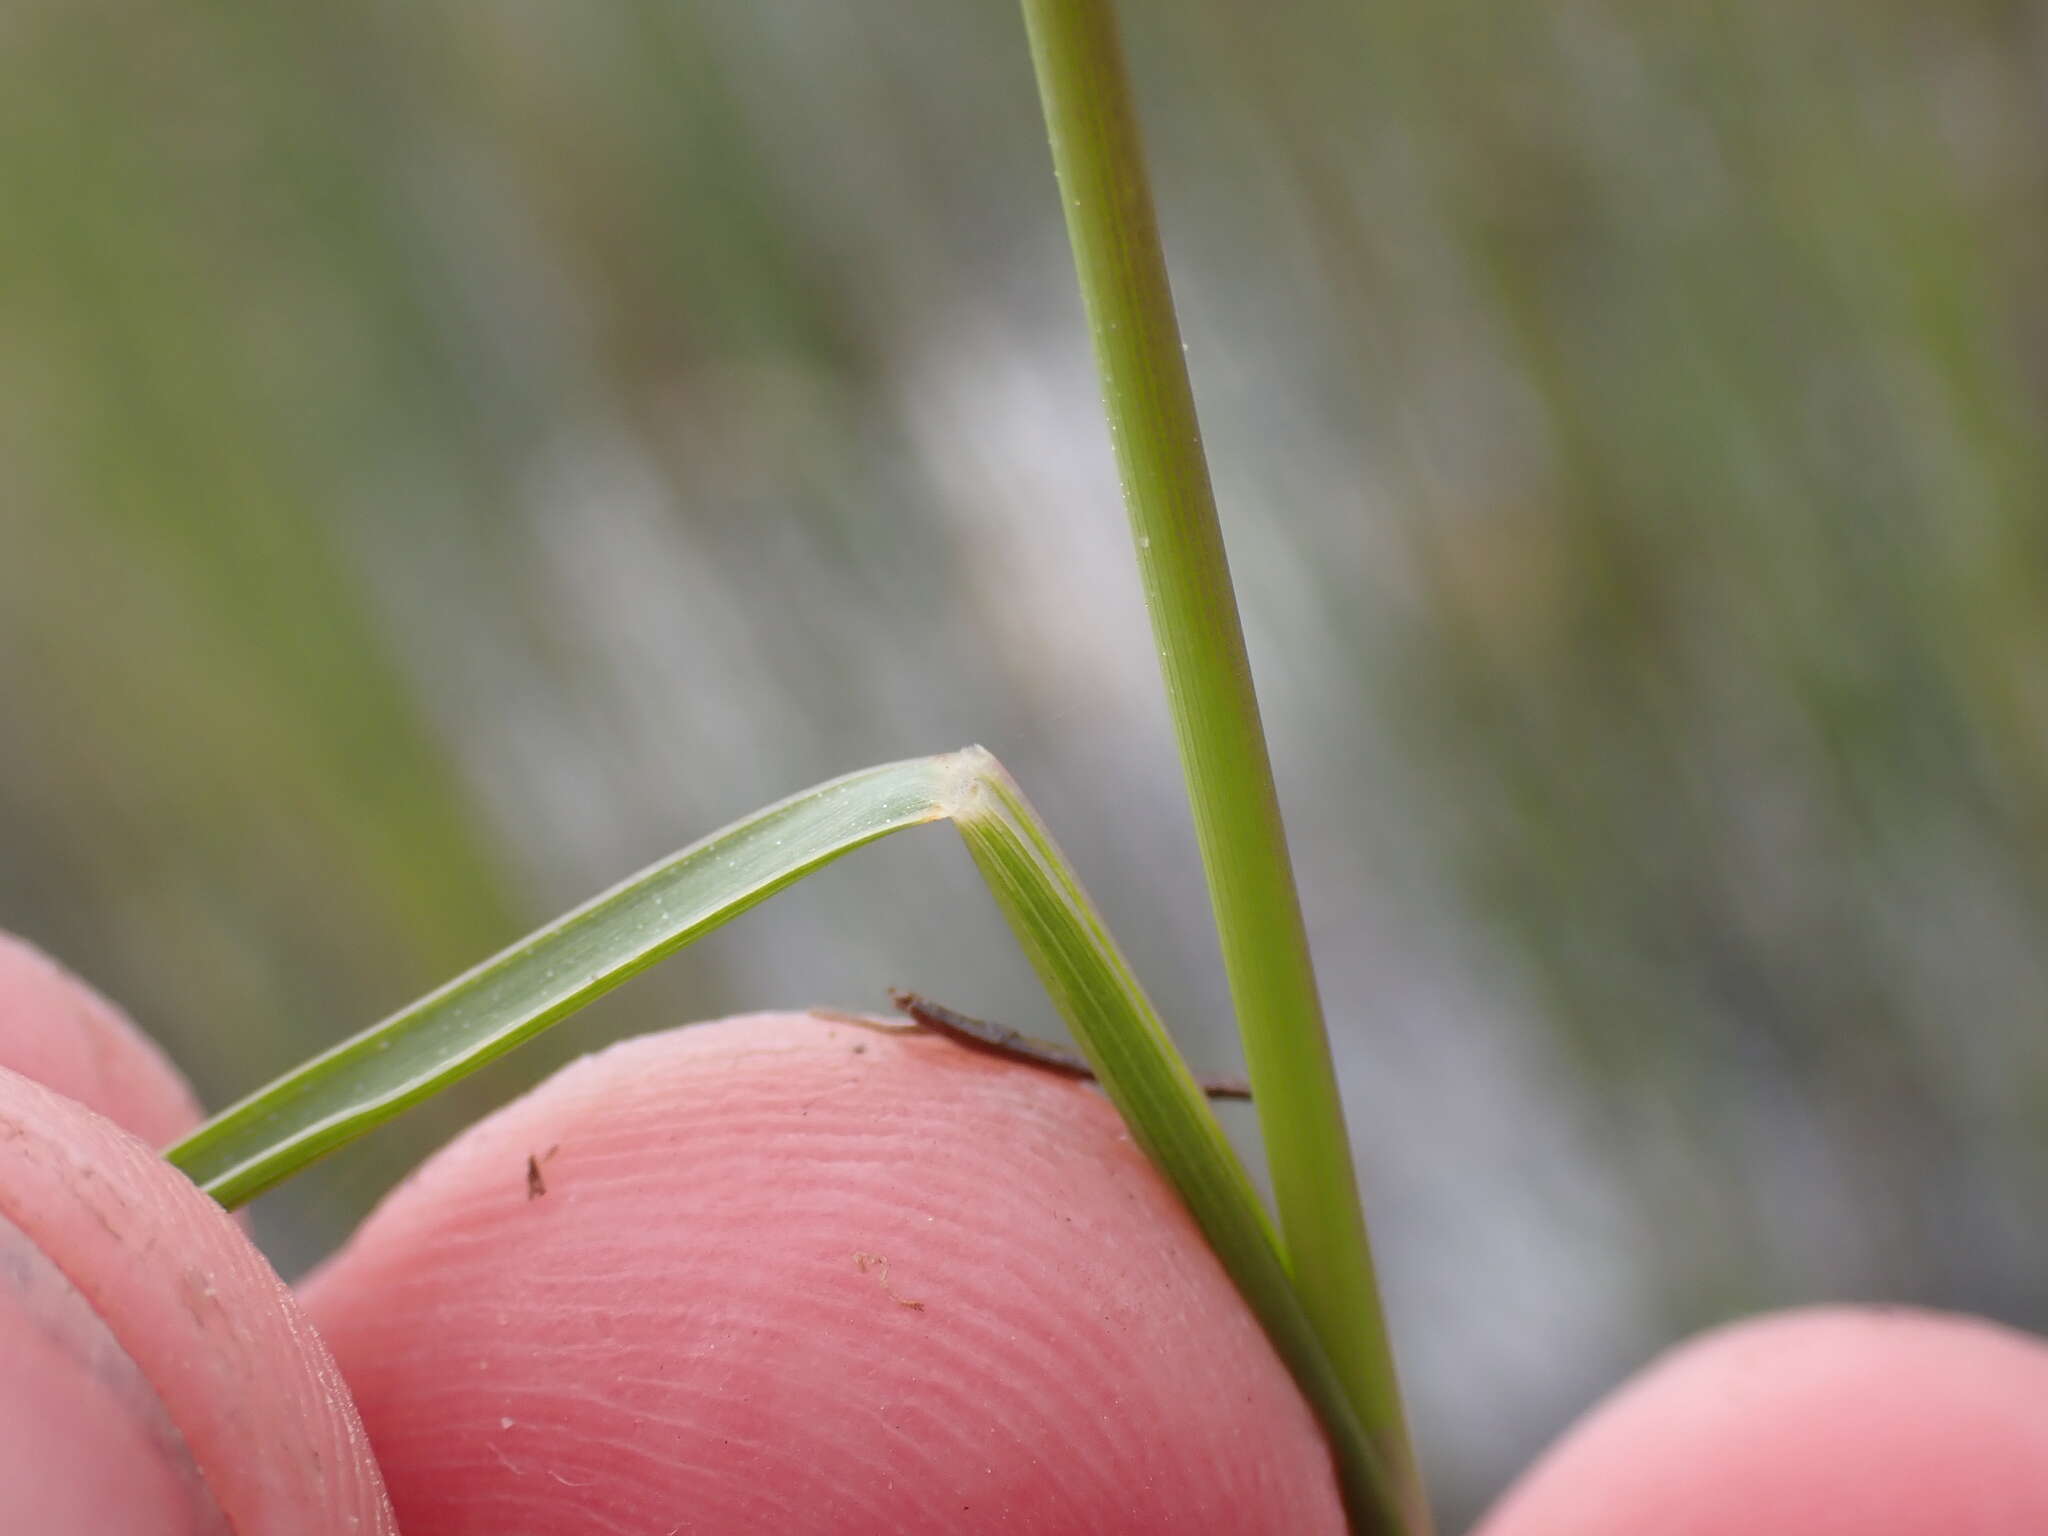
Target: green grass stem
(1172, 511)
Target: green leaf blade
(1146, 1078)
(519, 992)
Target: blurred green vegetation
(451, 455)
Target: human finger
(793, 1272)
(160, 1378)
(59, 1032)
(1872, 1421)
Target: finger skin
(692, 1328)
(1836, 1422)
(57, 1031)
(84, 1450)
(209, 1371)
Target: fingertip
(85, 1443)
(155, 1320)
(1879, 1421)
(796, 1273)
(57, 1031)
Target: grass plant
(1179, 541)
(1310, 1280)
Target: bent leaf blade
(480, 1015)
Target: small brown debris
(867, 1261)
(536, 1186)
(1014, 1045)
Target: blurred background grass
(451, 455)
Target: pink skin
(64, 1035)
(1836, 1422)
(680, 1333)
(795, 1273)
(159, 1378)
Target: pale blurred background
(453, 454)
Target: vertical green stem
(1172, 511)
